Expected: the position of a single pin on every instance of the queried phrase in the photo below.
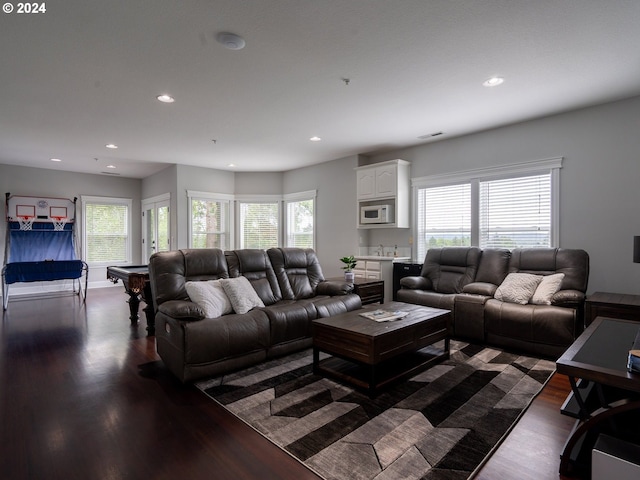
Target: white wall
(599, 201)
(336, 233)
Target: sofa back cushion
(494, 265)
(254, 264)
(450, 268)
(297, 270)
(574, 263)
(169, 271)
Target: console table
(614, 305)
(604, 394)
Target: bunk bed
(40, 244)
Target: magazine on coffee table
(384, 315)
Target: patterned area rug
(440, 424)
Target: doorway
(156, 226)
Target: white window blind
(258, 225)
(106, 232)
(515, 212)
(210, 226)
(300, 224)
(444, 217)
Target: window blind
(106, 232)
(444, 217)
(258, 225)
(300, 224)
(210, 224)
(515, 212)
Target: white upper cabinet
(385, 183)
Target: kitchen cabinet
(371, 267)
(385, 183)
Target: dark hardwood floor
(83, 395)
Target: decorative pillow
(518, 288)
(241, 294)
(210, 296)
(548, 286)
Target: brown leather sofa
(289, 282)
(465, 280)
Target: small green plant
(349, 263)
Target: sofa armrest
(480, 288)
(416, 283)
(334, 287)
(568, 298)
(182, 309)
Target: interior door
(156, 226)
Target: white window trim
(221, 197)
(297, 197)
(474, 176)
(87, 199)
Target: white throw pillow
(241, 293)
(549, 285)
(210, 296)
(518, 288)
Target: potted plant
(349, 265)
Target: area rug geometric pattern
(440, 424)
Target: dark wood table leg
(148, 310)
(134, 304)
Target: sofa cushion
(241, 294)
(547, 288)
(518, 288)
(210, 296)
(297, 270)
(450, 268)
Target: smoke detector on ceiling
(231, 40)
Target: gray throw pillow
(241, 294)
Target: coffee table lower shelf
(373, 378)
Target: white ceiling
(86, 73)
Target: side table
(369, 290)
(615, 305)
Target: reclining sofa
(491, 306)
(287, 291)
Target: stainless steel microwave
(376, 214)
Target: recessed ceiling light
(166, 98)
(231, 40)
(315, 139)
(493, 82)
(111, 145)
(56, 160)
(231, 165)
(111, 166)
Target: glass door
(156, 226)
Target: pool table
(135, 279)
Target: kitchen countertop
(381, 258)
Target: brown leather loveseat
(291, 292)
(473, 284)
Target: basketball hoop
(59, 223)
(26, 223)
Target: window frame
(212, 197)
(550, 166)
(87, 200)
(290, 199)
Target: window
(502, 207)
(516, 212)
(446, 216)
(107, 230)
(300, 220)
(210, 216)
(259, 223)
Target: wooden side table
(369, 290)
(615, 305)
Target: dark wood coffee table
(371, 355)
